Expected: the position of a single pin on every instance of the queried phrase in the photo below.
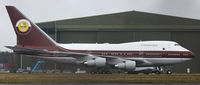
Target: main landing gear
(156, 70)
(163, 70)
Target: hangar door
(109, 36)
(143, 36)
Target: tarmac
(99, 79)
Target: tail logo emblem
(23, 26)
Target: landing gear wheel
(169, 72)
(156, 72)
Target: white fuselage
(149, 52)
(132, 46)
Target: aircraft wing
(22, 50)
(29, 51)
(36, 52)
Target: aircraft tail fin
(28, 34)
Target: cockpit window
(176, 44)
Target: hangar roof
(125, 21)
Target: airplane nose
(192, 55)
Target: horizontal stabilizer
(21, 50)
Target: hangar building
(128, 27)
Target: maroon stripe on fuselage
(139, 54)
(123, 54)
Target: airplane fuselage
(153, 53)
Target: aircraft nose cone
(192, 55)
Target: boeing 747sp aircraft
(32, 41)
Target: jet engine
(128, 65)
(98, 62)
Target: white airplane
(32, 41)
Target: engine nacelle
(128, 65)
(98, 62)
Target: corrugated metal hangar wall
(128, 27)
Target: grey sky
(48, 10)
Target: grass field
(98, 78)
